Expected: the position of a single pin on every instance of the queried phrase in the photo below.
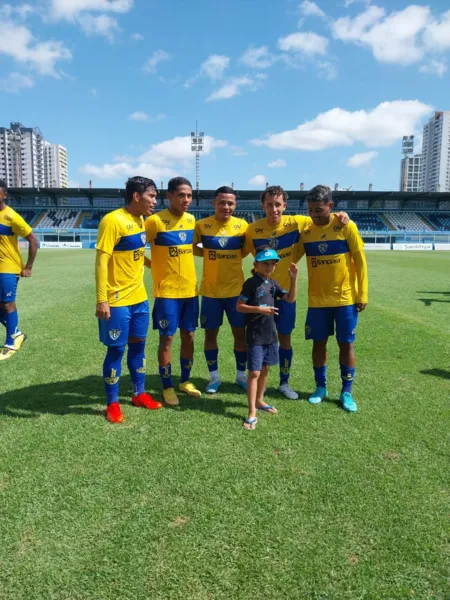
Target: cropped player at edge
(222, 238)
(171, 235)
(11, 269)
(122, 304)
(337, 291)
(281, 233)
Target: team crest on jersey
(114, 334)
(273, 244)
(223, 241)
(182, 235)
(323, 248)
(143, 238)
(164, 323)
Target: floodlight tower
(197, 140)
(15, 139)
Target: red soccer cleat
(144, 400)
(114, 414)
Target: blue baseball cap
(268, 254)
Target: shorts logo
(223, 241)
(173, 251)
(114, 334)
(308, 330)
(212, 255)
(203, 319)
(354, 332)
(143, 238)
(182, 235)
(274, 244)
(164, 323)
(323, 248)
(9, 294)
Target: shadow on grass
(437, 373)
(429, 301)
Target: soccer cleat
(144, 400)
(288, 392)
(318, 395)
(19, 340)
(114, 414)
(170, 397)
(241, 383)
(6, 352)
(347, 402)
(189, 388)
(213, 386)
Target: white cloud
(178, 150)
(308, 43)
(21, 10)
(327, 70)
(258, 58)
(138, 37)
(258, 180)
(155, 59)
(143, 116)
(18, 42)
(350, 2)
(437, 35)
(233, 88)
(15, 82)
(277, 164)
(382, 126)
(103, 25)
(238, 151)
(213, 68)
(122, 170)
(434, 67)
(310, 9)
(361, 159)
(70, 9)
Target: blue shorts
(265, 354)
(211, 315)
(170, 313)
(125, 322)
(320, 323)
(285, 320)
(8, 287)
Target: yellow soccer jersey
(331, 251)
(173, 268)
(122, 236)
(12, 226)
(284, 238)
(222, 256)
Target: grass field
(185, 504)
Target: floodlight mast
(197, 145)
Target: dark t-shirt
(260, 329)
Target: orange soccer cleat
(144, 400)
(114, 414)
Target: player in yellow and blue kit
(337, 290)
(222, 237)
(171, 235)
(122, 305)
(12, 226)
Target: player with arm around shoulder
(337, 291)
(12, 226)
(257, 302)
(122, 305)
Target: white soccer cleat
(288, 392)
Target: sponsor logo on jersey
(130, 226)
(317, 262)
(322, 237)
(7, 218)
(207, 225)
(166, 221)
(307, 231)
(173, 251)
(189, 221)
(337, 227)
(164, 323)
(323, 248)
(212, 255)
(236, 226)
(183, 236)
(259, 230)
(114, 334)
(223, 241)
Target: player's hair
(225, 189)
(139, 185)
(175, 182)
(272, 191)
(320, 193)
(3, 185)
(260, 249)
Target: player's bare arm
(32, 251)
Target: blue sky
(286, 91)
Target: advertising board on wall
(60, 245)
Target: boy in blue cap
(257, 302)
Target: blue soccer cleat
(318, 395)
(242, 383)
(347, 402)
(213, 386)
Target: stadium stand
(60, 218)
(368, 221)
(407, 221)
(441, 222)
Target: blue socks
(241, 363)
(112, 368)
(186, 366)
(347, 376)
(212, 359)
(166, 376)
(12, 321)
(136, 366)
(285, 357)
(320, 375)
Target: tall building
(410, 173)
(435, 171)
(23, 163)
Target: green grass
(183, 503)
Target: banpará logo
(143, 238)
(212, 255)
(163, 323)
(323, 248)
(317, 262)
(114, 334)
(223, 241)
(183, 236)
(259, 230)
(173, 251)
